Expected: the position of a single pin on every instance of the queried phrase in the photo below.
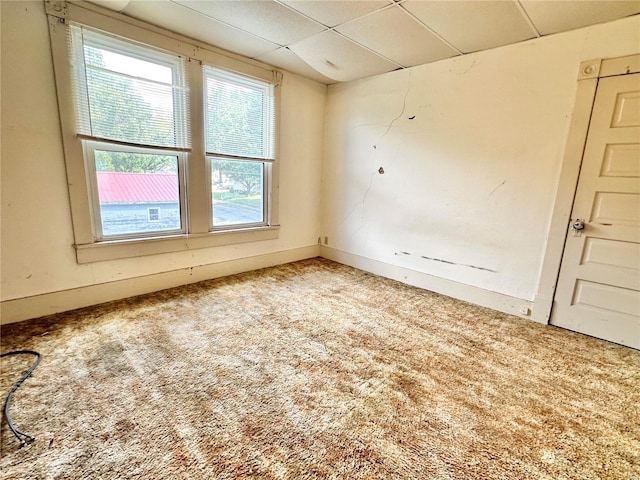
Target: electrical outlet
(524, 310)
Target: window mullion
(199, 186)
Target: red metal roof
(124, 187)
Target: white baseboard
(468, 293)
(19, 309)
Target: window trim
(126, 248)
(200, 235)
(267, 167)
(90, 147)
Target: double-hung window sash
(239, 144)
(131, 113)
(127, 92)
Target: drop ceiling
(340, 40)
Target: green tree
(235, 127)
(248, 175)
(119, 111)
(234, 120)
(135, 162)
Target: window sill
(116, 249)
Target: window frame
(197, 172)
(83, 35)
(90, 146)
(266, 158)
(266, 180)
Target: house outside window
(153, 214)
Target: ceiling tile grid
(285, 58)
(340, 59)
(185, 21)
(340, 40)
(471, 26)
(269, 20)
(332, 13)
(408, 43)
(559, 16)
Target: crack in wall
(380, 170)
(364, 199)
(404, 106)
(500, 185)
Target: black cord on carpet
(22, 437)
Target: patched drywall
(451, 168)
(37, 238)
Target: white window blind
(239, 115)
(128, 92)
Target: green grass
(224, 197)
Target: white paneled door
(599, 285)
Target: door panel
(618, 208)
(627, 110)
(612, 254)
(598, 289)
(622, 160)
(606, 297)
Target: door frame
(590, 73)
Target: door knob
(578, 225)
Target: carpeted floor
(316, 370)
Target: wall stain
(439, 260)
(330, 64)
(448, 262)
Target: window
(153, 214)
(136, 96)
(130, 186)
(238, 198)
(168, 146)
(239, 119)
(128, 92)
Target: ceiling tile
(266, 19)
(473, 25)
(339, 58)
(336, 12)
(287, 60)
(553, 17)
(398, 36)
(187, 22)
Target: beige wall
(471, 150)
(37, 252)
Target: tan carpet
(317, 370)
